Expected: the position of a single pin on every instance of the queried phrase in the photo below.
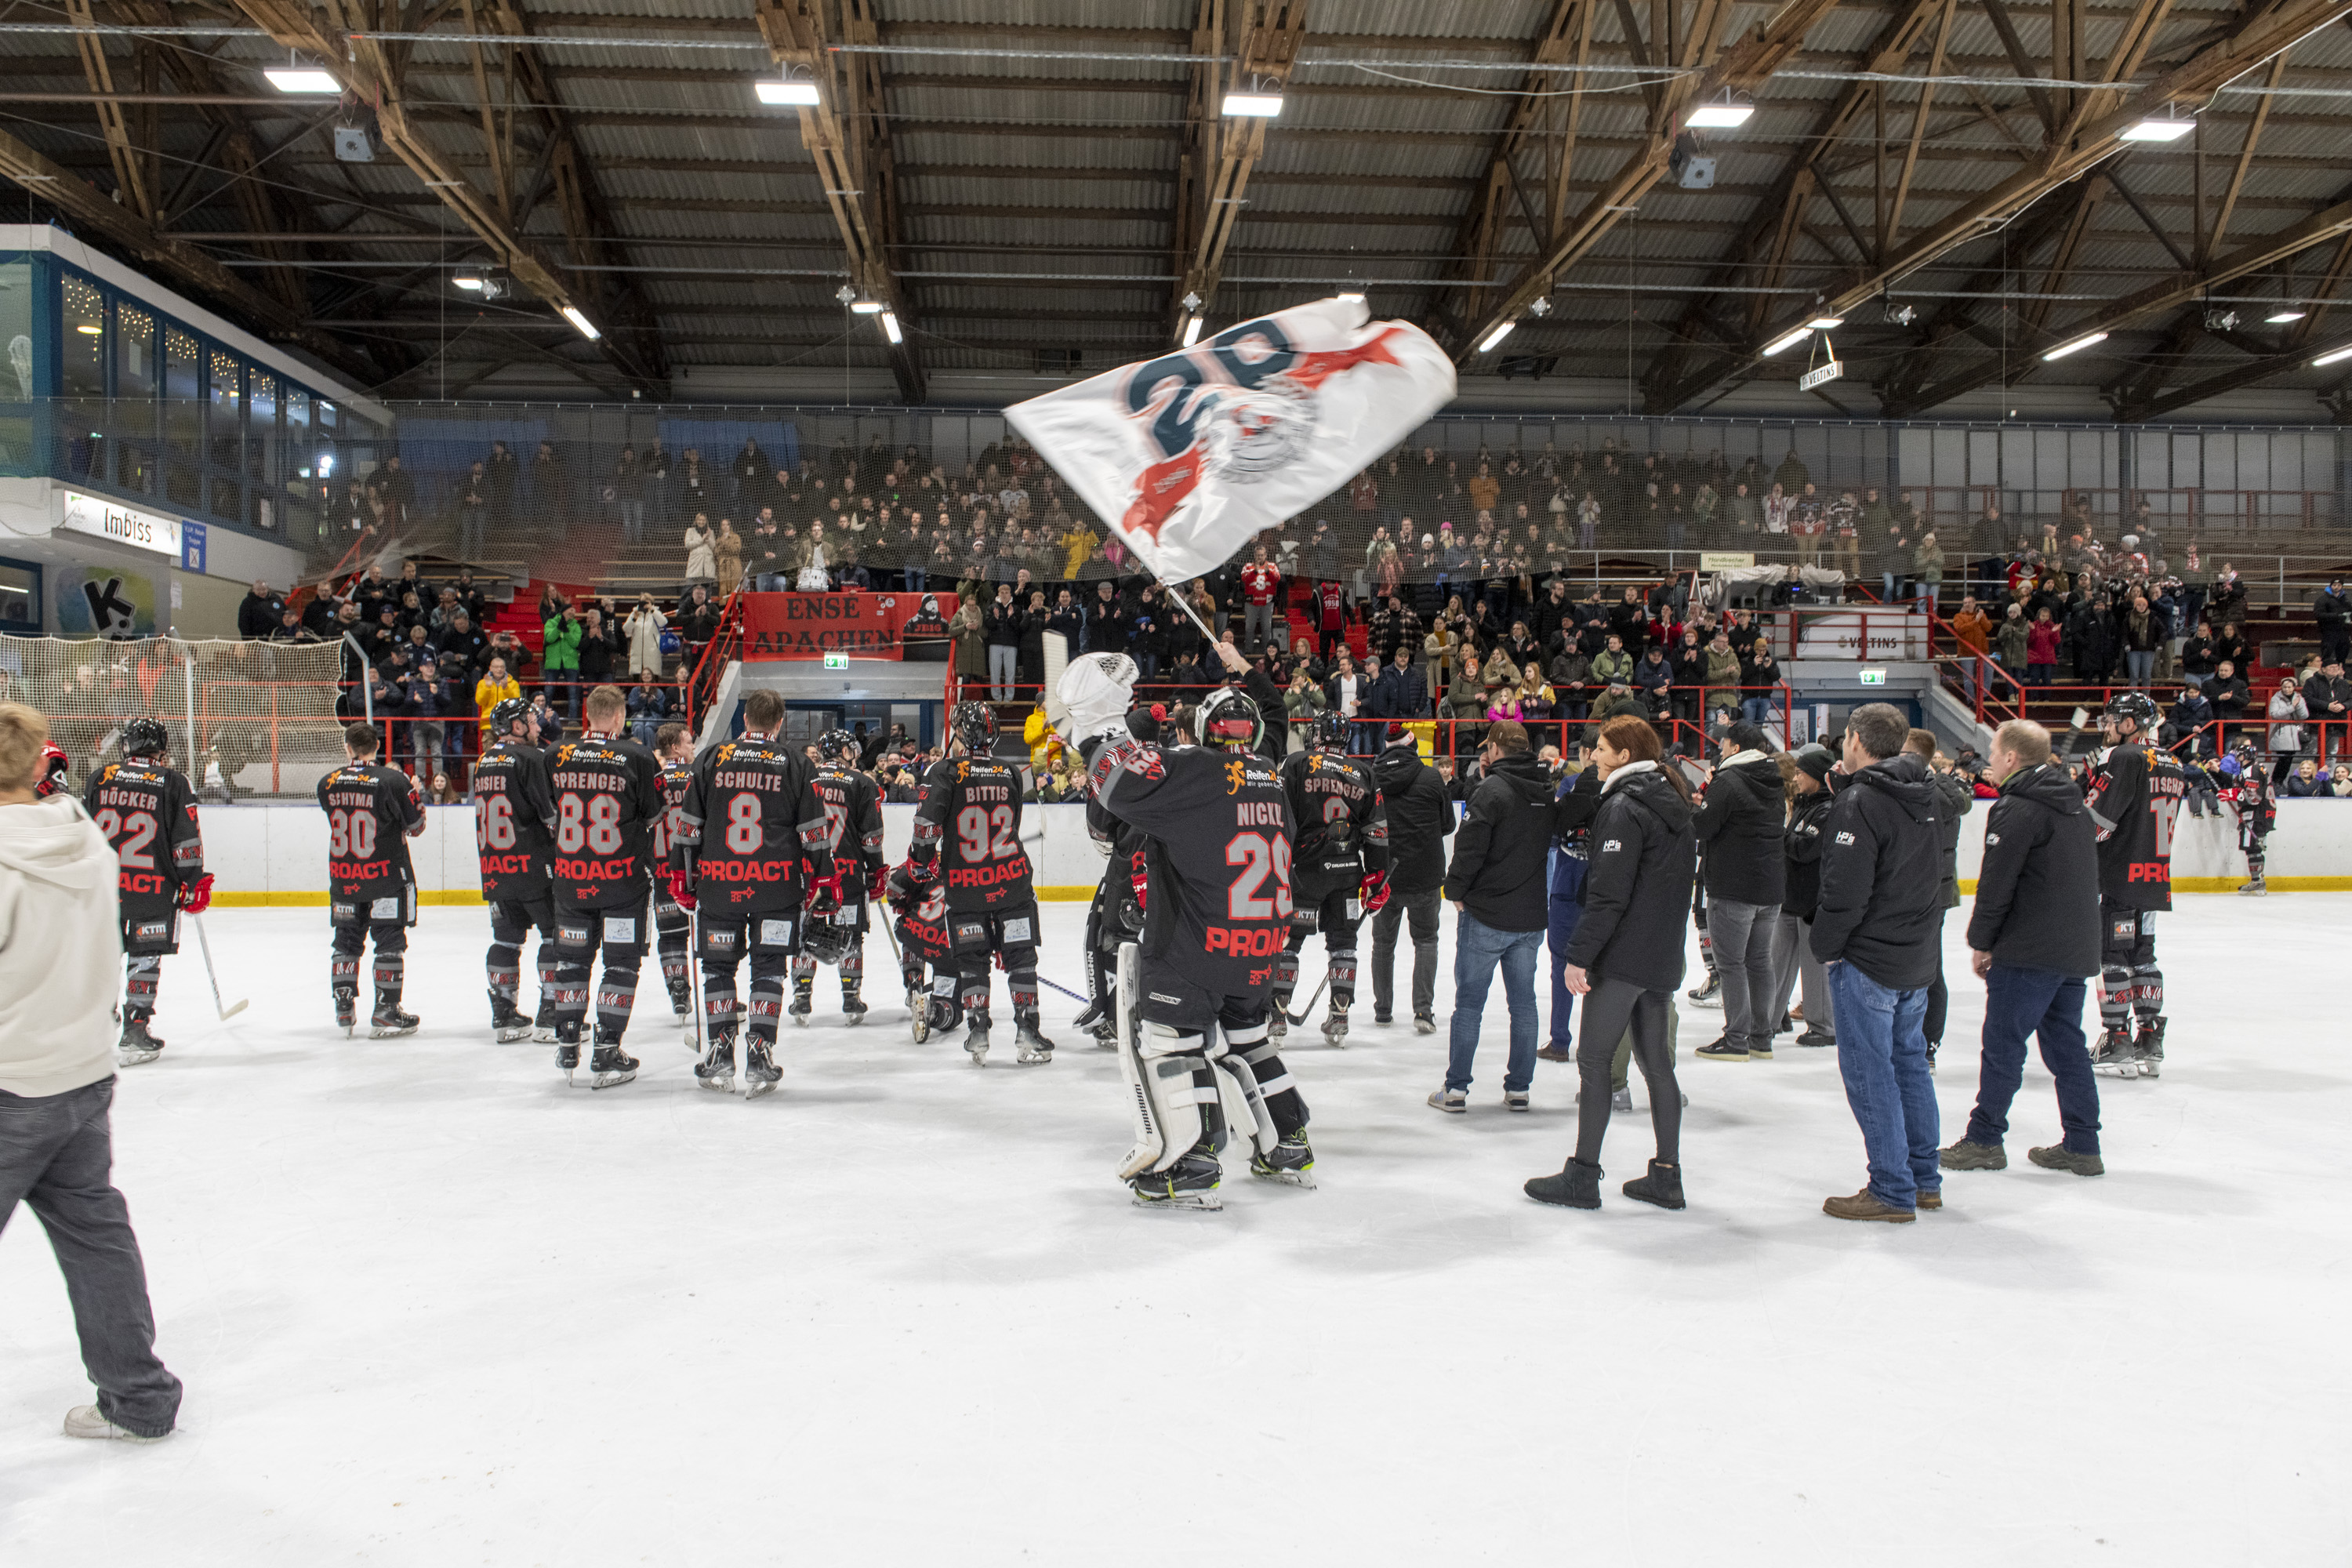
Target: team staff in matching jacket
(1419, 820)
(1739, 829)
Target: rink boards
(277, 854)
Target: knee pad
(1022, 982)
(1343, 968)
(390, 971)
(139, 984)
(343, 975)
(389, 936)
(1285, 972)
(2147, 988)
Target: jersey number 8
(601, 831)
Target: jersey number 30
(1258, 857)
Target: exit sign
(1874, 677)
(839, 661)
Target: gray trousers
(57, 1154)
(1257, 624)
(1793, 955)
(1742, 936)
(1422, 908)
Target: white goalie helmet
(1095, 691)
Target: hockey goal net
(246, 719)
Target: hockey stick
(204, 942)
(693, 990)
(1309, 1011)
(1065, 991)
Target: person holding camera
(644, 627)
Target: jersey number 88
(595, 822)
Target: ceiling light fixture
(472, 285)
(2168, 126)
(2331, 356)
(89, 329)
(587, 328)
(301, 79)
(1787, 339)
(890, 327)
(1352, 296)
(1497, 336)
(1253, 105)
(1192, 331)
(1721, 115)
(2284, 314)
(1824, 323)
(866, 307)
(2074, 345)
(793, 92)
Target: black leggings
(1611, 1006)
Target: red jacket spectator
(1260, 582)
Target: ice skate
(682, 1006)
(760, 1074)
(611, 1065)
(919, 1016)
(1292, 1162)
(567, 1058)
(542, 1027)
(976, 1038)
(139, 1045)
(1335, 1026)
(2255, 889)
(853, 1007)
(2113, 1055)
(347, 1014)
(1033, 1049)
(1707, 995)
(803, 1003)
(716, 1068)
(388, 1022)
(507, 1022)
(1278, 1020)
(2148, 1049)
(1189, 1184)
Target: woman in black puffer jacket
(1626, 958)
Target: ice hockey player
(1339, 869)
(148, 814)
(919, 916)
(373, 811)
(1095, 691)
(608, 798)
(2133, 792)
(514, 833)
(673, 927)
(968, 836)
(2255, 799)
(852, 858)
(1193, 991)
(750, 819)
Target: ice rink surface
(433, 1307)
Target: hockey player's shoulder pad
(1126, 756)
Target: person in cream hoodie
(60, 945)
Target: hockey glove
(681, 893)
(825, 896)
(1142, 883)
(55, 766)
(196, 896)
(920, 871)
(1374, 892)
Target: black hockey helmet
(513, 710)
(2134, 708)
(1327, 732)
(838, 746)
(1229, 718)
(974, 723)
(146, 738)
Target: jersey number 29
(1259, 857)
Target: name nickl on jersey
(1258, 814)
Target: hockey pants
(673, 930)
(961, 985)
(148, 937)
(770, 941)
(2129, 981)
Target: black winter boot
(1578, 1186)
(1663, 1186)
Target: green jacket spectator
(561, 657)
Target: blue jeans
(1883, 1057)
(1567, 911)
(1478, 949)
(2023, 1002)
(1758, 709)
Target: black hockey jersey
(373, 811)
(677, 778)
(607, 798)
(968, 815)
(1218, 906)
(514, 821)
(2135, 795)
(853, 829)
(749, 818)
(2256, 799)
(1342, 827)
(149, 813)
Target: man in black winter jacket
(2034, 940)
(1877, 927)
(1740, 860)
(1956, 797)
(1419, 820)
(1497, 885)
(1792, 951)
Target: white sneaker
(1514, 1099)
(1452, 1100)
(85, 1421)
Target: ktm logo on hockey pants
(1246, 941)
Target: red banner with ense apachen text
(868, 626)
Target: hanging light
(866, 307)
(2169, 126)
(793, 92)
(890, 327)
(587, 328)
(2331, 356)
(2074, 345)
(1497, 336)
(295, 77)
(2285, 314)
(1192, 331)
(1253, 105)
(471, 285)
(1722, 114)
(1824, 323)
(1787, 339)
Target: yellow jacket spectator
(492, 689)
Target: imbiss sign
(113, 520)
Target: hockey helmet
(1327, 732)
(146, 738)
(974, 723)
(1229, 718)
(2135, 709)
(838, 746)
(55, 766)
(507, 715)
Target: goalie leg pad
(1174, 1097)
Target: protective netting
(245, 719)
